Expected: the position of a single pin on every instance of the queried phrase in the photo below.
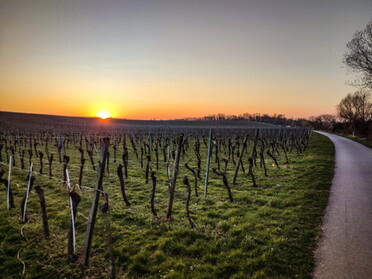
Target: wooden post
(50, 160)
(41, 155)
(1, 148)
(147, 169)
(27, 194)
(168, 162)
(254, 149)
(125, 161)
(8, 196)
(93, 211)
(172, 187)
(240, 158)
(152, 201)
(19, 148)
(208, 163)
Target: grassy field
(267, 232)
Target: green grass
(268, 232)
(362, 141)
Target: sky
(173, 59)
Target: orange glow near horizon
(103, 114)
(165, 105)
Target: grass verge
(362, 141)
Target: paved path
(345, 249)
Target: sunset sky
(171, 59)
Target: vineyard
(160, 202)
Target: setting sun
(103, 114)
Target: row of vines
(94, 171)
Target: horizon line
(190, 118)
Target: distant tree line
(277, 119)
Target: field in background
(25, 120)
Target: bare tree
(323, 121)
(356, 109)
(346, 109)
(363, 104)
(358, 55)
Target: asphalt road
(345, 248)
